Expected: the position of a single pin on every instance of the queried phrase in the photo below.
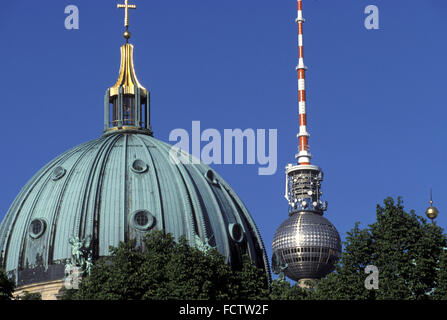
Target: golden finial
(126, 6)
(127, 78)
(431, 212)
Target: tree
(30, 296)
(6, 286)
(407, 250)
(164, 269)
(283, 290)
(251, 281)
(440, 292)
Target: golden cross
(126, 6)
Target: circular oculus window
(143, 220)
(139, 166)
(58, 173)
(37, 228)
(236, 232)
(211, 177)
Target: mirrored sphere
(306, 246)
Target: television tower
(306, 245)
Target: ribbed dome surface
(114, 188)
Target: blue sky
(376, 98)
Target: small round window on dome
(58, 173)
(138, 166)
(236, 232)
(211, 177)
(37, 228)
(143, 220)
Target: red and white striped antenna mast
(303, 155)
(303, 180)
(305, 230)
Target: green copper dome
(120, 187)
(115, 188)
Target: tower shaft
(303, 181)
(303, 155)
(306, 245)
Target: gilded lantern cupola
(127, 102)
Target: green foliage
(440, 292)
(283, 290)
(407, 251)
(30, 296)
(166, 269)
(6, 287)
(251, 282)
(67, 294)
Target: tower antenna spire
(303, 155)
(306, 245)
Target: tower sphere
(308, 244)
(432, 212)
